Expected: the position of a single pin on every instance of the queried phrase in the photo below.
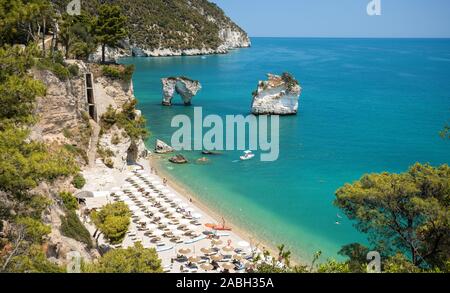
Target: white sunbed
(162, 249)
(190, 241)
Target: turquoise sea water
(368, 105)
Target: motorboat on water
(248, 155)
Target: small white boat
(248, 155)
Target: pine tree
(110, 27)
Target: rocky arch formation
(185, 87)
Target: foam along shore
(168, 221)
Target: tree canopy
(407, 213)
(113, 221)
(110, 26)
(135, 259)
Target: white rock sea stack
(185, 87)
(279, 95)
(163, 148)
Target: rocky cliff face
(58, 246)
(183, 86)
(61, 110)
(175, 28)
(279, 95)
(64, 119)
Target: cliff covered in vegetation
(172, 27)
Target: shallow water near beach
(368, 105)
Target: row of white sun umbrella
(167, 194)
(149, 206)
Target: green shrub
(289, 80)
(135, 259)
(60, 71)
(119, 72)
(56, 68)
(109, 118)
(113, 221)
(85, 116)
(58, 57)
(72, 227)
(70, 201)
(78, 181)
(133, 125)
(33, 260)
(108, 162)
(115, 140)
(36, 205)
(34, 229)
(74, 70)
(77, 152)
(67, 133)
(126, 119)
(24, 164)
(111, 71)
(128, 72)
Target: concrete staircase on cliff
(92, 110)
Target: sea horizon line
(350, 38)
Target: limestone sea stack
(163, 148)
(279, 95)
(185, 87)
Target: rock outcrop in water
(279, 95)
(178, 159)
(185, 87)
(163, 148)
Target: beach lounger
(191, 241)
(164, 248)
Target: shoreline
(187, 193)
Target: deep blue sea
(368, 105)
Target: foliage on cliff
(172, 24)
(118, 72)
(24, 163)
(126, 119)
(136, 259)
(72, 227)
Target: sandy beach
(184, 191)
(104, 181)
